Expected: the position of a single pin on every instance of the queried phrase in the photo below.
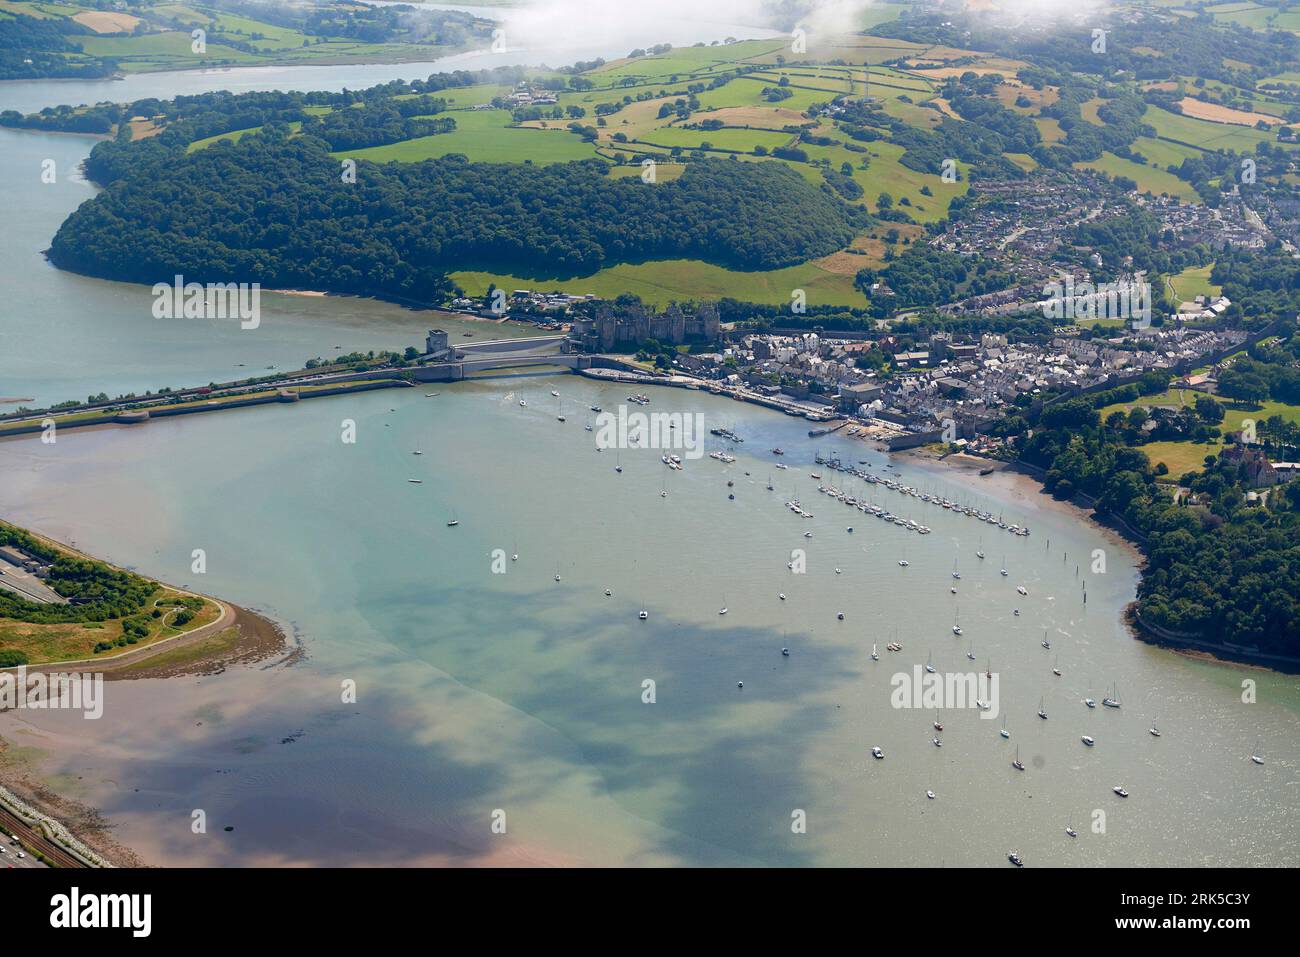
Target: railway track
(32, 839)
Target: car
(21, 855)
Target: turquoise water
(481, 691)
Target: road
(30, 839)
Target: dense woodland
(275, 209)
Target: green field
(484, 137)
(1148, 178)
(1182, 457)
(1205, 134)
(660, 283)
(1191, 282)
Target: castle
(634, 324)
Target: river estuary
(485, 685)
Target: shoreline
(1019, 483)
(238, 637)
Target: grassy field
(65, 642)
(1203, 133)
(1148, 178)
(484, 137)
(1191, 282)
(1182, 457)
(667, 281)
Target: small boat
(781, 596)
(937, 742)
(723, 610)
(1021, 589)
(523, 403)
(979, 555)
(903, 562)
(1016, 612)
(1087, 739)
(452, 523)
(554, 393)
(416, 481)
(643, 615)
(1069, 829)
(1090, 702)
(930, 795)
(778, 452)
(839, 616)
(430, 395)
(785, 652)
(1153, 730)
(557, 577)
(1015, 859)
(595, 408)
(608, 593)
(877, 753)
(938, 725)
(1120, 791)
(417, 452)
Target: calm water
(482, 691)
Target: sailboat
(1016, 761)
(955, 574)
(560, 409)
(1069, 828)
(1056, 668)
(770, 487)
(929, 663)
(1153, 730)
(956, 628)
(1112, 701)
(970, 655)
(523, 403)
(723, 610)
(453, 522)
(1003, 570)
(874, 655)
(1254, 754)
(1041, 713)
(1045, 643)
(938, 725)
(618, 462)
